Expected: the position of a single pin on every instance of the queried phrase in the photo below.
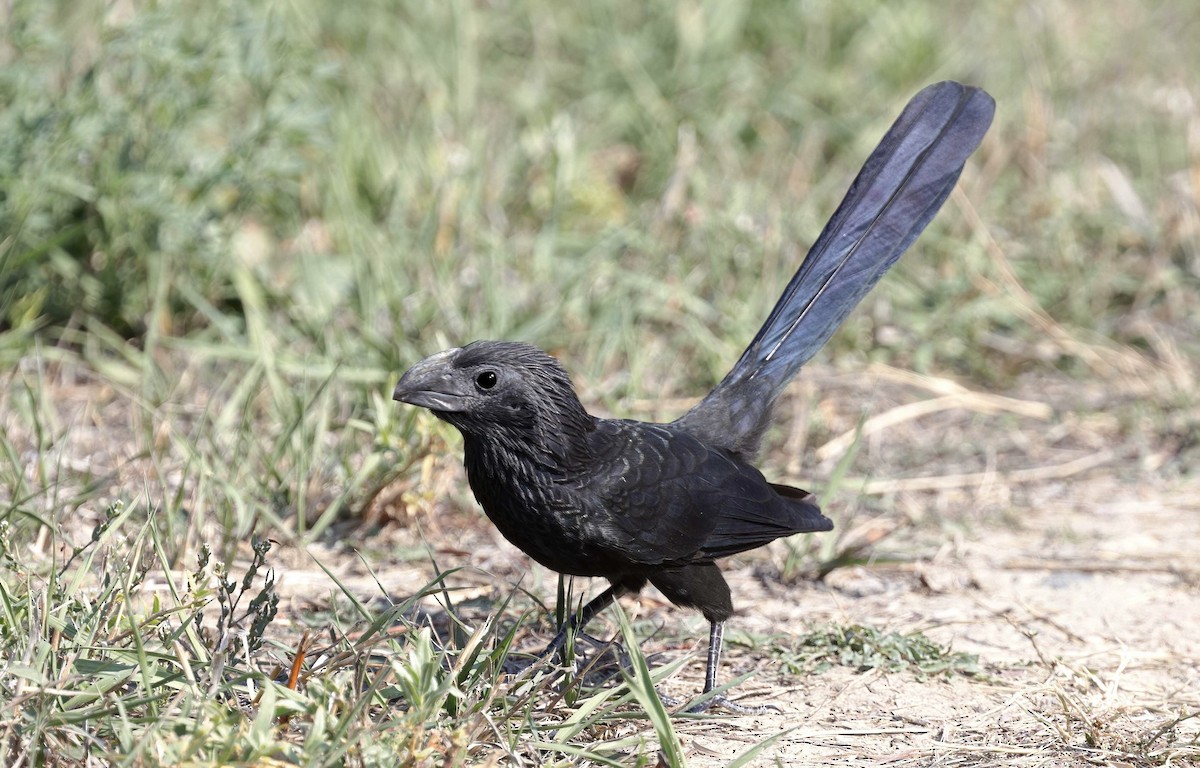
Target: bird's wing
(660, 496)
(745, 526)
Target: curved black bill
(432, 384)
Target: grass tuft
(867, 648)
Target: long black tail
(902, 185)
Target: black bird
(635, 502)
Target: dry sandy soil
(1060, 550)
(1089, 618)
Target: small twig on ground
(968, 479)
(963, 399)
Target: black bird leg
(580, 620)
(716, 637)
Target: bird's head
(499, 391)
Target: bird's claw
(723, 702)
(558, 647)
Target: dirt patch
(1076, 588)
(1083, 618)
(1091, 640)
(1084, 621)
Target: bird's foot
(670, 702)
(602, 662)
(618, 650)
(558, 646)
(723, 702)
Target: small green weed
(98, 649)
(865, 648)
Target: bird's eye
(486, 379)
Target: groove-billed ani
(636, 502)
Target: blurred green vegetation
(427, 173)
(131, 153)
(226, 227)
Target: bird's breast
(538, 512)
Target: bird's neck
(550, 444)
(554, 447)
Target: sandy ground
(1085, 618)
(1074, 581)
(1089, 619)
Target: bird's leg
(580, 620)
(716, 636)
